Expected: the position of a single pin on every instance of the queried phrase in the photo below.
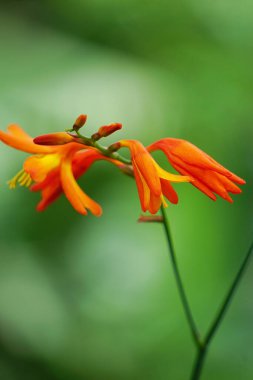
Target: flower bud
(106, 130)
(114, 147)
(59, 138)
(80, 121)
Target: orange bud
(106, 130)
(114, 147)
(59, 138)
(80, 121)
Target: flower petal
(155, 203)
(39, 166)
(197, 183)
(145, 163)
(210, 180)
(79, 200)
(168, 191)
(229, 185)
(51, 187)
(143, 189)
(194, 156)
(18, 139)
(171, 177)
(191, 155)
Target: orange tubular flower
(152, 181)
(52, 186)
(207, 175)
(51, 165)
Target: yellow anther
(22, 178)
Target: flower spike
(59, 159)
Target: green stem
(114, 155)
(104, 150)
(228, 298)
(220, 315)
(198, 365)
(185, 303)
(202, 345)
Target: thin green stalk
(185, 303)
(198, 365)
(103, 149)
(228, 298)
(202, 345)
(220, 315)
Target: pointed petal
(197, 183)
(49, 195)
(145, 164)
(155, 203)
(79, 200)
(143, 190)
(17, 131)
(171, 177)
(194, 156)
(83, 159)
(211, 181)
(233, 177)
(229, 185)
(50, 189)
(53, 176)
(18, 139)
(169, 192)
(148, 170)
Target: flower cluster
(59, 159)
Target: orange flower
(52, 186)
(152, 181)
(51, 165)
(207, 175)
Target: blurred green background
(88, 298)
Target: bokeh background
(95, 299)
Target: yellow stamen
(22, 178)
